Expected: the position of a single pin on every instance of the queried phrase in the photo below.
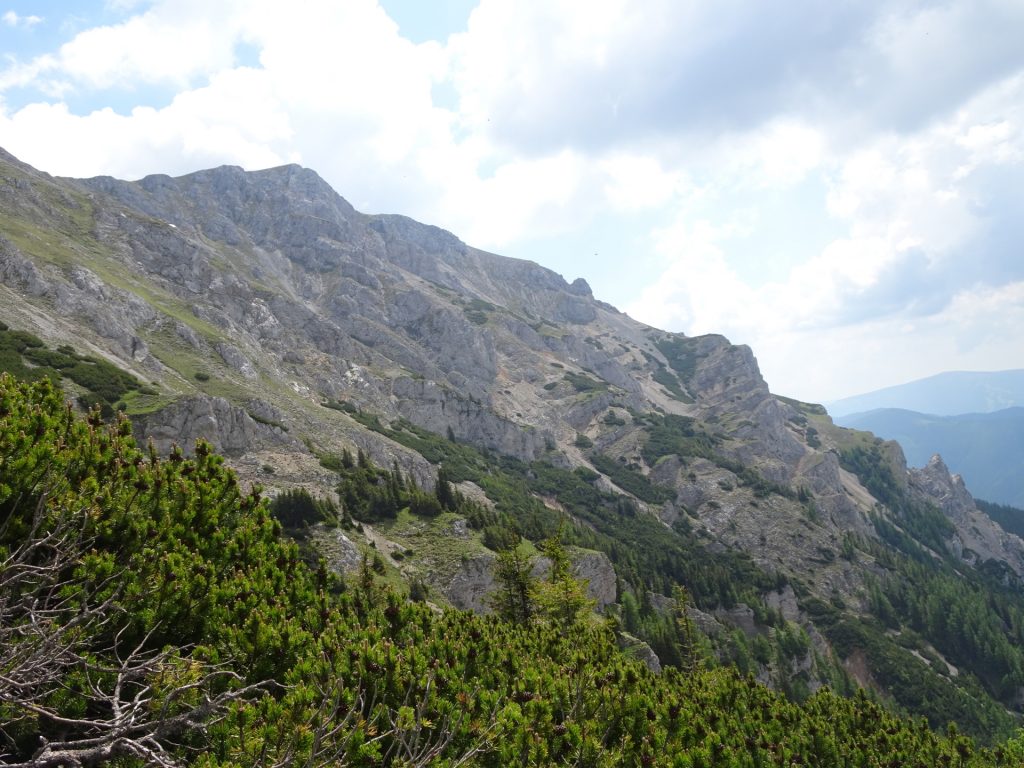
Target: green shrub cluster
(297, 508)
(369, 493)
(629, 479)
(26, 357)
(672, 434)
(188, 564)
(681, 355)
(670, 381)
(583, 383)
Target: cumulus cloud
(198, 129)
(12, 19)
(807, 174)
(931, 248)
(170, 44)
(337, 77)
(543, 75)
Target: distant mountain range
(986, 449)
(945, 394)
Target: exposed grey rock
(785, 602)
(581, 287)
(741, 616)
(473, 583)
(596, 569)
(571, 309)
(638, 649)
(728, 380)
(229, 429)
(18, 271)
(234, 358)
(977, 538)
(341, 554)
(438, 408)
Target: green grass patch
(435, 547)
(681, 354)
(583, 383)
(630, 480)
(671, 383)
(808, 409)
(26, 357)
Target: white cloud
(199, 128)
(636, 181)
(19, 75)
(170, 44)
(918, 255)
(124, 5)
(786, 150)
(12, 19)
(543, 195)
(807, 174)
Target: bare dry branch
(49, 624)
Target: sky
(839, 185)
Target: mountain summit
(270, 317)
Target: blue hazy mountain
(945, 394)
(987, 449)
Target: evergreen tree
(515, 597)
(686, 633)
(561, 597)
(446, 494)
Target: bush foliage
(299, 667)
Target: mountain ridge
(944, 394)
(985, 448)
(275, 320)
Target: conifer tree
(561, 597)
(515, 598)
(446, 494)
(685, 631)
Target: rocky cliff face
(267, 313)
(272, 287)
(231, 430)
(278, 290)
(977, 539)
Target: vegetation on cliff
(152, 612)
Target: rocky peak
(977, 538)
(287, 208)
(944, 488)
(581, 287)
